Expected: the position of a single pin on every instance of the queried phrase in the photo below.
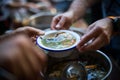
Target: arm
(79, 7)
(76, 11)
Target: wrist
(115, 22)
(70, 15)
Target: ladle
(74, 71)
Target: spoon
(74, 71)
(57, 34)
(53, 38)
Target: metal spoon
(74, 71)
(53, 38)
(57, 34)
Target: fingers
(35, 58)
(58, 22)
(42, 58)
(28, 63)
(33, 31)
(30, 31)
(92, 34)
(61, 23)
(14, 65)
(98, 37)
(94, 45)
(55, 21)
(88, 36)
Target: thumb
(33, 31)
(61, 23)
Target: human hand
(62, 21)
(30, 31)
(98, 35)
(19, 56)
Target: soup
(94, 72)
(59, 40)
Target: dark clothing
(109, 8)
(61, 5)
(112, 8)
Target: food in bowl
(58, 40)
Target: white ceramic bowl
(62, 52)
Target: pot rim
(110, 63)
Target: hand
(98, 35)
(21, 57)
(30, 31)
(62, 21)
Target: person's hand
(30, 31)
(98, 35)
(62, 21)
(19, 56)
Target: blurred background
(35, 13)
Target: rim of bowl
(110, 63)
(77, 36)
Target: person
(20, 58)
(60, 5)
(100, 32)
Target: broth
(58, 40)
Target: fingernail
(42, 32)
(58, 26)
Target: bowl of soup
(59, 43)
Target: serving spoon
(55, 36)
(74, 71)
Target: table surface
(115, 74)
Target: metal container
(41, 20)
(92, 57)
(99, 57)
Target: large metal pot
(92, 57)
(41, 20)
(101, 58)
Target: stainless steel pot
(41, 20)
(92, 57)
(101, 58)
